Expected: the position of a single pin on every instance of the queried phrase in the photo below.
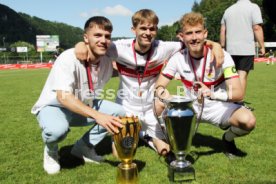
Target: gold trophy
(126, 142)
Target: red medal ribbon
(203, 68)
(89, 77)
(139, 76)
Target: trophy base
(127, 174)
(181, 171)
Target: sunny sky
(75, 13)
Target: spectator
(239, 24)
(270, 57)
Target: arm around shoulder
(217, 52)
(81, 51)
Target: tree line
(213, 11)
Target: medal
(200, 99)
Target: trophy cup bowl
(126, 142)
(180, 125)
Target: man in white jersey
(139, 62)
(214, 88)
(69, 98)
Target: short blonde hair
(191, 19)
(144, 15)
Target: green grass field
(21, 147)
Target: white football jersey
(138, 73)
(192, 70)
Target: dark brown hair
(102, 22)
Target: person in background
(70, 98)
(57, 52)
(270, 57)
(213, 89)
(240, 23)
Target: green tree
(168, 33)
(23, 44)
(213, 11)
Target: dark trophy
(126, 143)
(180, 126)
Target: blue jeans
(55, 122)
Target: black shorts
(244, 63)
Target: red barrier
(263, 59)
(25, 66)
(49, 65)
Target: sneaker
(50, 162)
(249, 108)
(170, 157)
(245, 106)
(147, 139)
(231, 151)
(88, 154)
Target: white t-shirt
(69, 74)
(127, 66)
(238, 20)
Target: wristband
(220, 95)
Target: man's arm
(259, 35)
(81, 51)
(233, 93)
(234, 89)
(160, 91)
(69, 101)
(222, 35)
(217, 53)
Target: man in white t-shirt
(139, 62)
(218, 87)
(69, 98)
(241, 25)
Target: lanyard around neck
(140, 75)
(204, 65)
(89, 77)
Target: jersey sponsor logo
(187, 71)
(123, 70)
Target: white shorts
(150, 125)
(215, 112)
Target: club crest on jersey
(152, 64)
(210, 72)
